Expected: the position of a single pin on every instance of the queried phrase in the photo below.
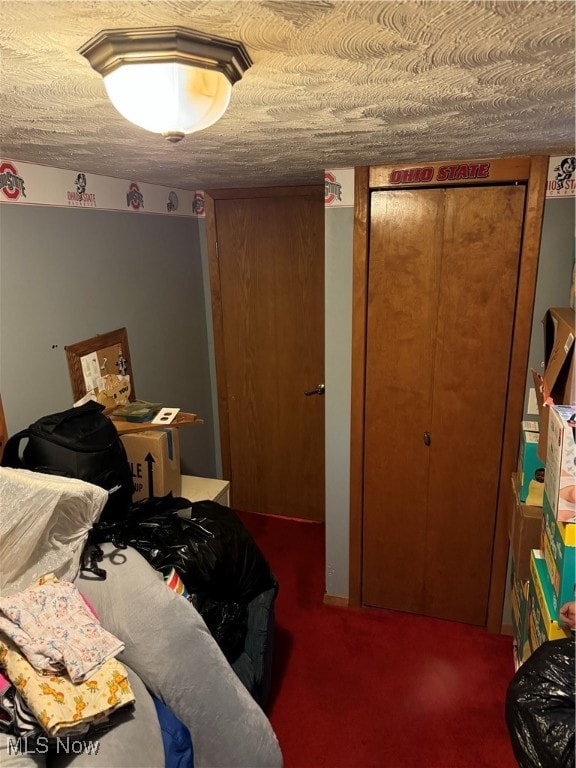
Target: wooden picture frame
(104, 354)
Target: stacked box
(530, 466)
(560, 478)
(542, 627)
(525, 529)
(557, 383)
(560, 555)
(154, 458)
(519, 609)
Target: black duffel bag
(80, 442)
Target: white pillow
(44, 524)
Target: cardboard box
(559, 331)
(531, 426)
(543, 627)
(560, 556)
(154, 457)
(530, 467)
(519, 609)
(525, 529)
(560, 481)
(557, 383)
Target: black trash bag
(227, 621)
(217, 559)
(540, 707)
(211, 550)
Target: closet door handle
(427, 438)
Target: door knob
(318, 391)
(427, 438)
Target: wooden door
(443, 268)
(269, 320)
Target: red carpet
(376, 689)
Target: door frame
(210, 198)
(533, 172)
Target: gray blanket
(169, 647)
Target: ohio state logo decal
(11, 184)
(172, 203)
(134, 198)
(198, 204)
(332, 189)
(564, 173)
(80, 197)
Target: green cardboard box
(560, 556)
(543, 627)
(530, 466)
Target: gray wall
(554, 273)
(68, 274)
(338, 231)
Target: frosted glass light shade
(169, 97)
(168, 80)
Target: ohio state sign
(429, 174)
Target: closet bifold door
(442, 277)
(403, 284)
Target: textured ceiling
(334, 84)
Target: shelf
(201, 488)
(183, 419)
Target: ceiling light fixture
(168, 80)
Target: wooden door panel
(479, 274)
(442, 275)
(271, 267)
(404, 265)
